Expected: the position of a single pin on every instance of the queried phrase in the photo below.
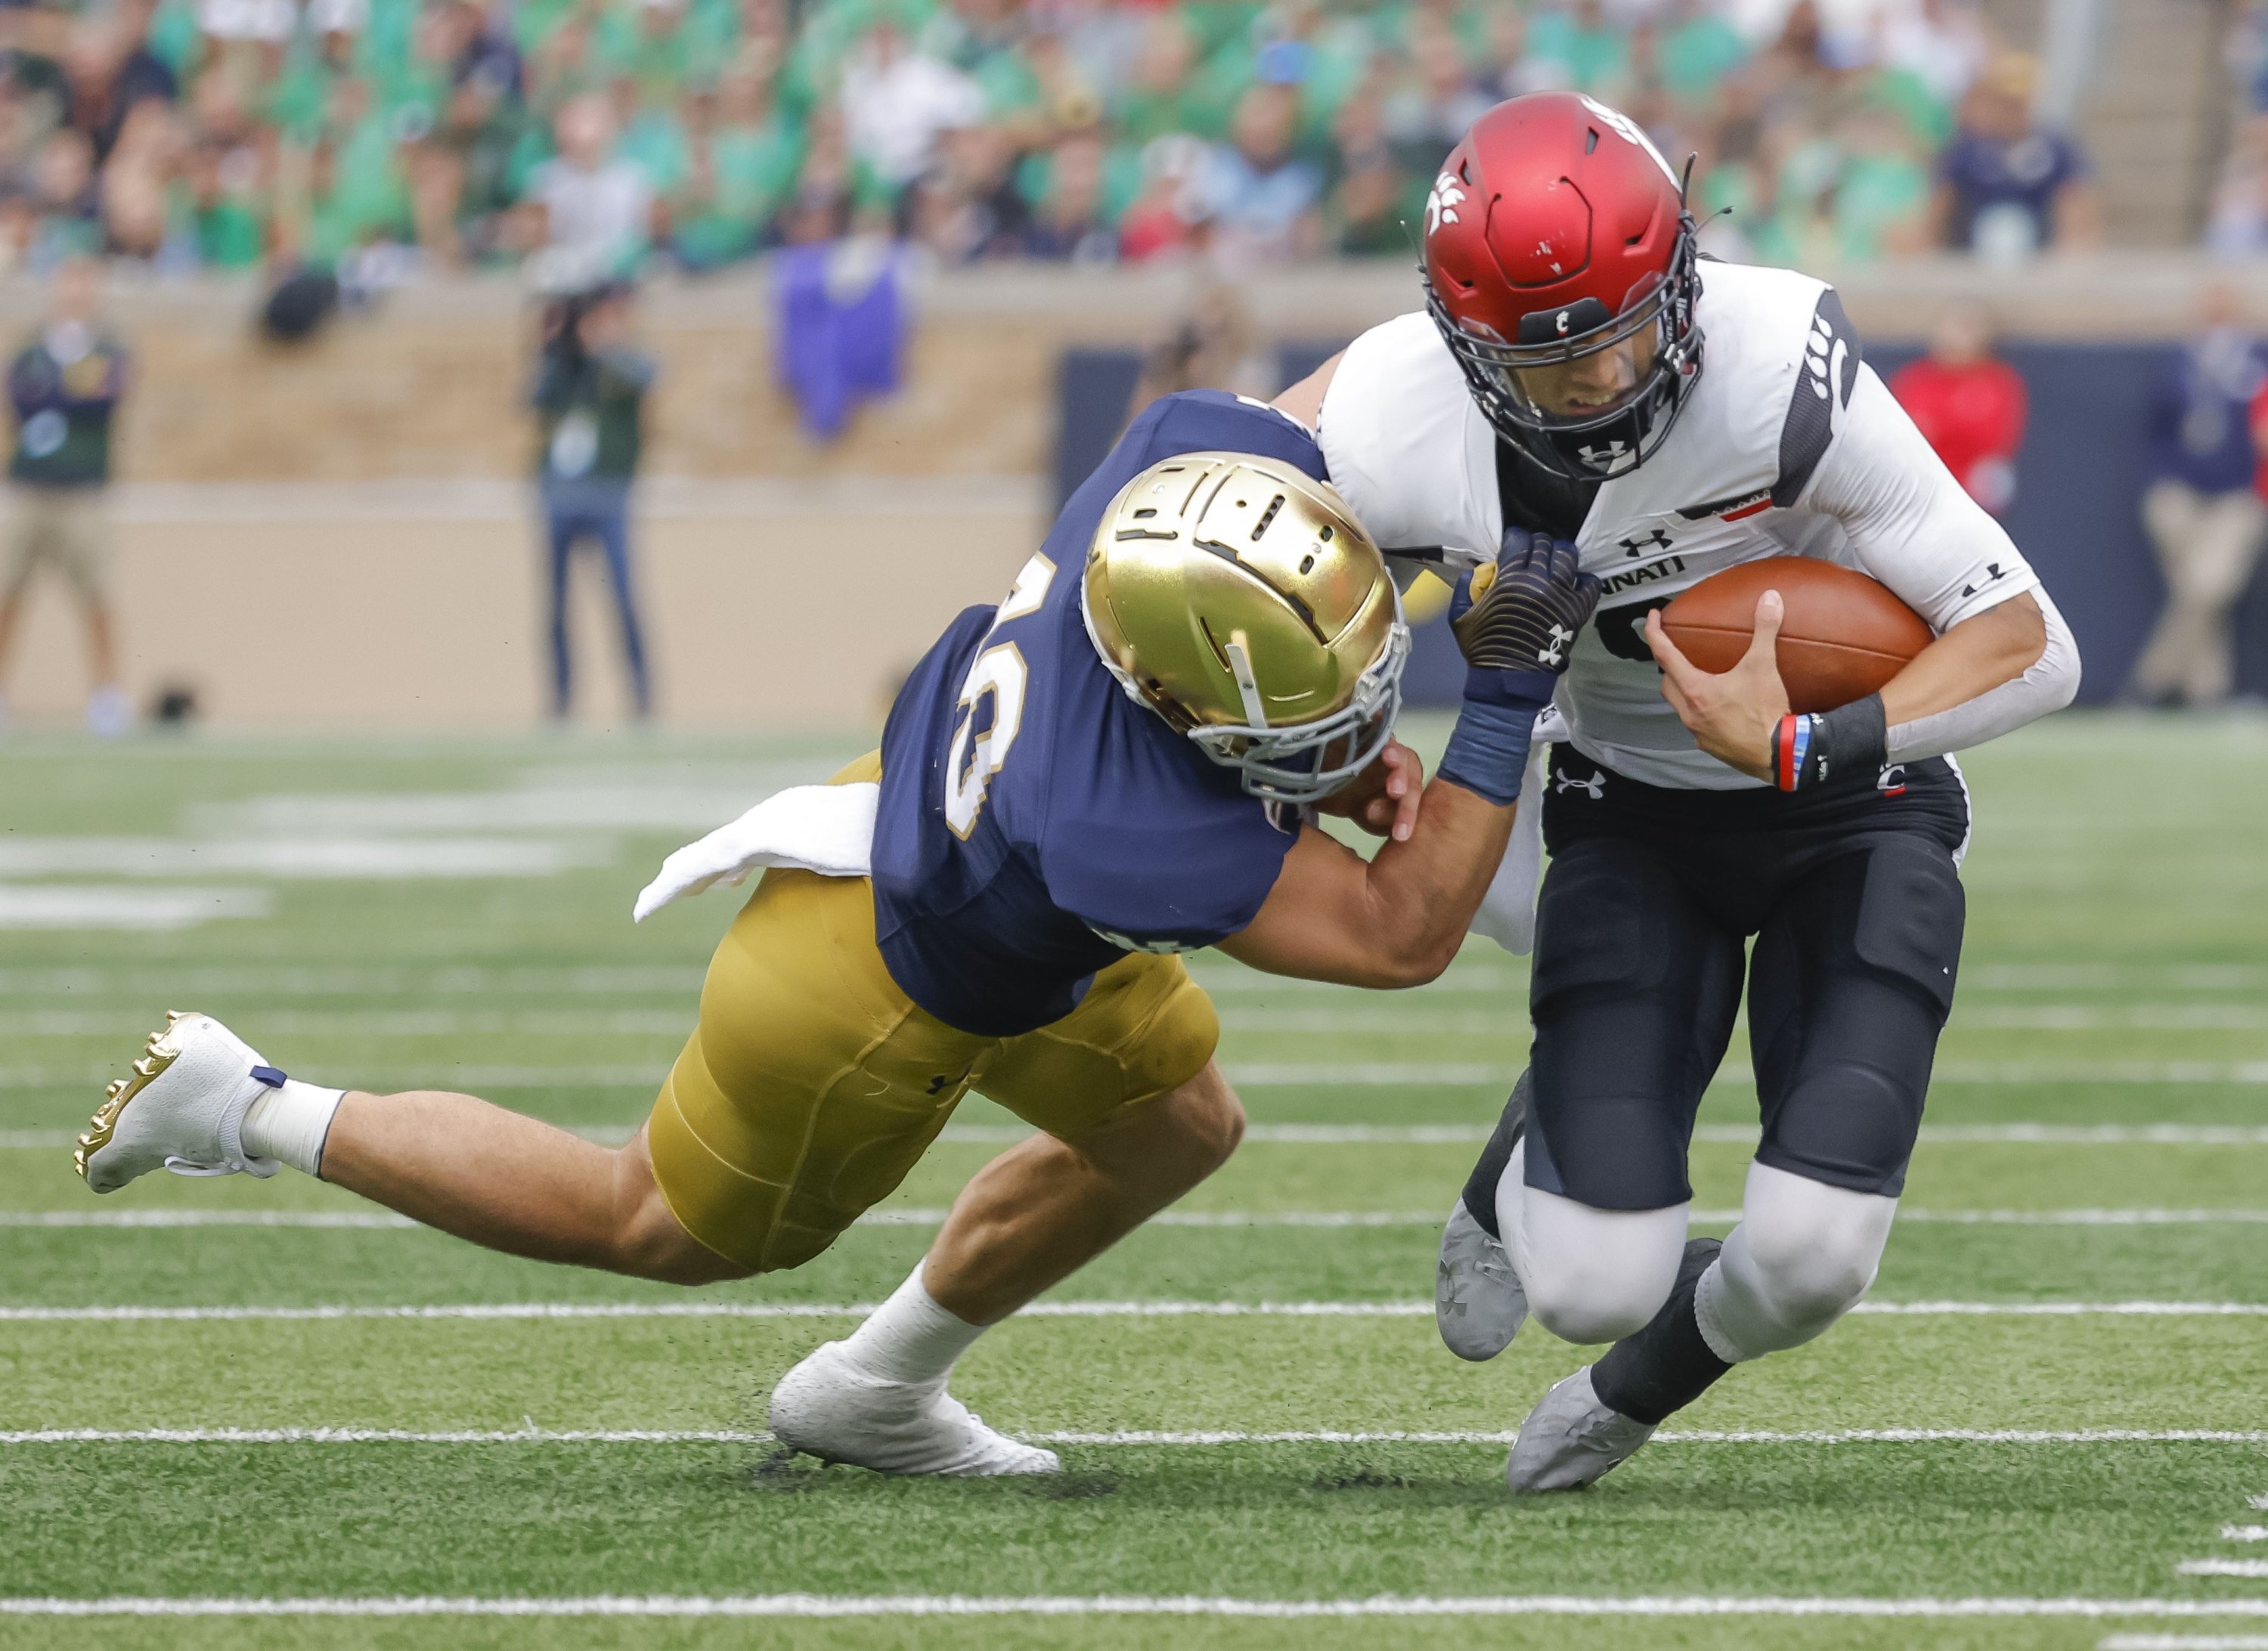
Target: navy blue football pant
(596, 513)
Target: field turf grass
(2116, 980)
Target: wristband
(1488, 749)
(1809, 749)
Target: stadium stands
(381, 136)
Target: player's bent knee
(1597, 1297)
(1588, 1320)
(1804, 1255)
(1206, 1119)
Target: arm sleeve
(2049, 685)
(1916, 530)
(1910, 523)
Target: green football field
(262, 1413)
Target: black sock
(1480, 1186)
(1666, 1365)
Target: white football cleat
(1478, 1302)
(183, 1110)
(830, 1407)
(1570, 1439)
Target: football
(1845, 636)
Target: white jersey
(1788, 445)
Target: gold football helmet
(1239, 599)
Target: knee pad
(1804, 1253)
(1591, 1275)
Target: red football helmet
(1560, 268)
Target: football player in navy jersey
(1106, 769)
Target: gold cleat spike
(159, 1053)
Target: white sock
(910, 1337)
(291, 1124)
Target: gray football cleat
(1570, 1439)
(1479, 1303)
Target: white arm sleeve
(1915, 528)
(2049, 685)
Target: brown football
(1846, 635)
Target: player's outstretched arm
(1394, 920)
(1397, 920)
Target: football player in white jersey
(1578, 371)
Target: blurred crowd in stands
(405, 135)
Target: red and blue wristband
(1807, 748)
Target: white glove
(824, 828)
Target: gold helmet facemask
(1238, 598)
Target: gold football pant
(812, 1083)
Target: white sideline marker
(1133, 1606)
(1197, 1438)
(2224, 1567)
(2244, 1533)
(563, 1310)
(2183, 1642)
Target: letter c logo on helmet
(1566, 284)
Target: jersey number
(999, 675)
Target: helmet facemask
(1306, 762)
(1602, 391)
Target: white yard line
(673, 1019)
(561, 1310)
(1473, 1134)
(380, 1220)
(2224, 1567)
(1198, 1438)
(2183, 1642)
(1250, 1074)
(1733, 1134)
(823, 1605)
(2244, 1533)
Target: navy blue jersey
(1036, 824)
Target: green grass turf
(2116, 946)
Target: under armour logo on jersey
(1594, 787)
(1993, 576)
(1554, 650)
(1636, 543)
(1442, 201)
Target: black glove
(1516, 618)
